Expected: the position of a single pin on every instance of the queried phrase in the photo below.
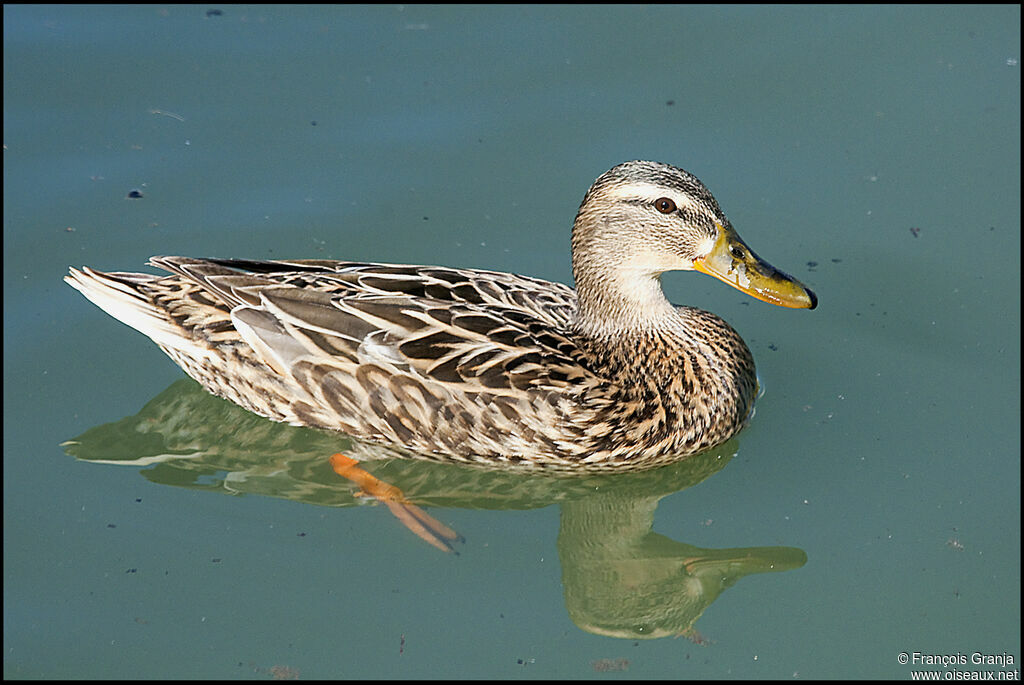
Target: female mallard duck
(481, 366)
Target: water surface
(874, 152)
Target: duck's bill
(732, 262)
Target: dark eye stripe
(698, 215)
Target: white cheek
(705, 246)
(655, 263)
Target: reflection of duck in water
(623, 580)
(620, 578)
(480, 366)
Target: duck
(482, 367)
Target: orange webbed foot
(412, 517)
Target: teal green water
(873, 152)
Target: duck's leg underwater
(412, 517)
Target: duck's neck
(618, 282)
(617, 301)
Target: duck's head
(641, 219)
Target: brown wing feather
(421, 356)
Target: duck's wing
(232, 279)
(435, 359)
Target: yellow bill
(732, 262)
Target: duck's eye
(737, 252)
(665, 205)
